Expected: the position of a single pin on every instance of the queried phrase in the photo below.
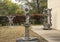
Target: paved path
(49, 35)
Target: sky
(13, 1)
(20, 3)
(16, 2)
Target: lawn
(10, 34)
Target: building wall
(55, 5)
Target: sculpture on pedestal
(47, 19)
(10, 18)
(27, 37)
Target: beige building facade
(55, 5)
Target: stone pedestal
(32, 39)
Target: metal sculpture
(27, 38)
(10, 18)
(47, 19)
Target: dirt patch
(10, 34)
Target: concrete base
(32, 39)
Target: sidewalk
(49, 35)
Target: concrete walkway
(49, 35)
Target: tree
(38, 6)
(8, 8)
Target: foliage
(8, 8)
(37, 6)
(42, 5)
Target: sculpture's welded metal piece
(47, 19)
